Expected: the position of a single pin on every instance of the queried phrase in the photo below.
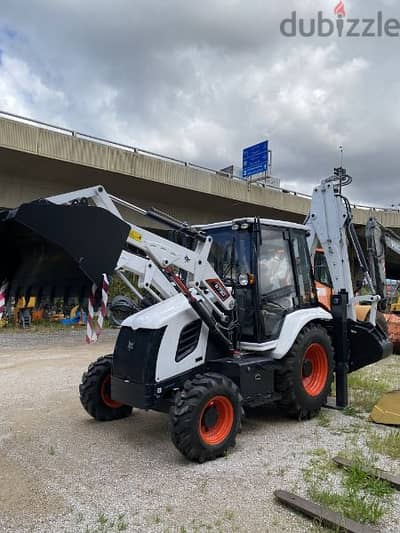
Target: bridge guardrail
(107, 142)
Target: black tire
(303, 395)
(121, 307)
(207, 402)
(95, 394)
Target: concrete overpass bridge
(39, 160)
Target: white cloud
(22, 90)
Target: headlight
(243, 280)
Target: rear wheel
(306, 377)
(95, 392)
(206, 417)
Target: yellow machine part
(74, 310)
(395, 307)
(21, 303)
(387, 410)
(362, 312)
(324, 297)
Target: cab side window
(321, 270)
(276, 273)
(302, 262)
(277, 289)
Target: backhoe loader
(379, 240)
(234, 319)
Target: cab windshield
(230, 254)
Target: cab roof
(250, 220)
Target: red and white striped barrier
(93, 330)
(3, 294)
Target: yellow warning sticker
(135, 235)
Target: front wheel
(307, 374)
(206, 417)
(95, 392)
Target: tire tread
(291, 403)
(90, 396)
(183, 422)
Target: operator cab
(267, 264)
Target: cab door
(234, 259)
(276, 281)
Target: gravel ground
(62, 471)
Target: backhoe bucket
(387, 410)
(50, 250)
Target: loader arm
(163, 253)
(66, 243)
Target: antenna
(341, 167)
(340, 173)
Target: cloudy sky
(201, 80)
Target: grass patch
(354, 431)
(350, 505)
(37, 326)
(388, 444)
(357, 479)
(107, 524)
(323, 419)
(365, 390)
(350, 411)
(225, 522)
(359, 496)
(51, 450)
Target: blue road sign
(255, 159)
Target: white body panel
(292, 325)
(174, 313)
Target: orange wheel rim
(105, 393)
(315, 369)
(216, 420)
